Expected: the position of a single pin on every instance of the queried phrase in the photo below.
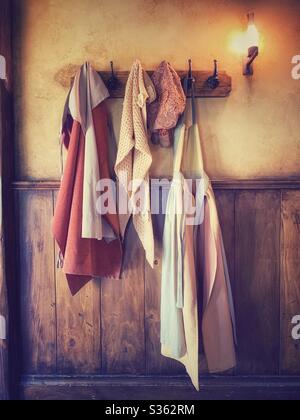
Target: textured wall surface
(253, 133)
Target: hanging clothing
(165, 111)
(87, 93)
(190, 250)
(89, 242)
(179, 307)
(134, 158)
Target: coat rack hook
(113, 82)
(112, 68)
(213, 81)
(190, 68)
(190, 77)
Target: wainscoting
(109, 333)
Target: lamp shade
(252, 34)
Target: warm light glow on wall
(237, 43)
(240, 42)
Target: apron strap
(186, 90)
(194, 110)
(182, 127)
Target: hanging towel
(207, 256)
(89, 242)
(134, 157)
(165, 111)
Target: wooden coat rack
(207, 85)
(202, 89)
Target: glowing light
(251, 36)
(240, 42)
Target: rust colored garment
(84, 258)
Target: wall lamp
(252, 45)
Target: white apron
(186, 247)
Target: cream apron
(185, 247)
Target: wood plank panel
(290, 281)
(37, 282)
(225, 201)
(123, 313)
(257, 281)
(78, 327)
(156, 363)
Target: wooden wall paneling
(290, 281)
(78, 326)
(129, 346)
(257, 281)
(37, 282)
(123, 313)
(8, 292)
(156, 363)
